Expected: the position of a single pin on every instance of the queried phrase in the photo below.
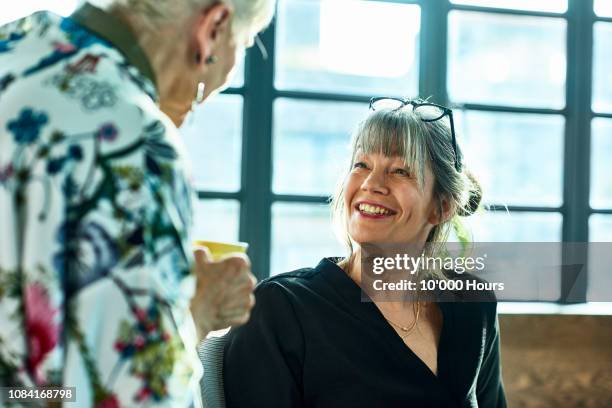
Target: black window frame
(257, 198)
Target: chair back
(211, 384)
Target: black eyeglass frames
(428, 112)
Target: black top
(312, 342)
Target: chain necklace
(345, 265)
(405, 330)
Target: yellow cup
(219, 250)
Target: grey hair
(403, 133)
(248, 14)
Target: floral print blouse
(95, 211)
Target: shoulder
(292, 278)
(79, 73)
(308, 279)
(303, 288)
(14, 31)
(286, 285)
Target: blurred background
(530, 82)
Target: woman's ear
(440, 211)
(207, 30)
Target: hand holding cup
(224, 290)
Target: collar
(358, 300)
(117, 32)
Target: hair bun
(475, 198)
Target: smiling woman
(414, 154)
(313, 342)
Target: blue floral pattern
(8, 43)
(5, 81)
(92, 180)
(26, 128)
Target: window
(601, 152)
(495, 148)
(517, 72)
(555, 6)
(602, 67)
(311, 144)
(219, 149)
(18, 9)
(223, 226)
(301, 235)
(347, 46)
(507, 60)
(603, 8)
(600, 219)
(507, 78)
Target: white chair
(211, 384)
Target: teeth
(371, 209)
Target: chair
(210, 352)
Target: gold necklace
(345, 264)
(406, 329)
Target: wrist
(203, 321)
(203, 327)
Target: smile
(374, 210)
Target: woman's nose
(376, 182)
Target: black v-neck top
(312, 342)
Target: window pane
(213, 136)
(238, 75)
(602, 67)
(600, 228)
(506, 60)
(17, 9)
(347, 46)
(216, 220)
(600, 279)
(518, 158)
(311, 144)
(501, 226)
(301, 235)
(553, 6)
(601, 156)
(603, 8)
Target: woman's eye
(401, 172)
(360, 165)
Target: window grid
(605, 115)
(256, 196)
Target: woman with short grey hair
(99, 287)
(192, 44)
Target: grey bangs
(395, 133)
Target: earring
(199, 95)
(211, 60)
